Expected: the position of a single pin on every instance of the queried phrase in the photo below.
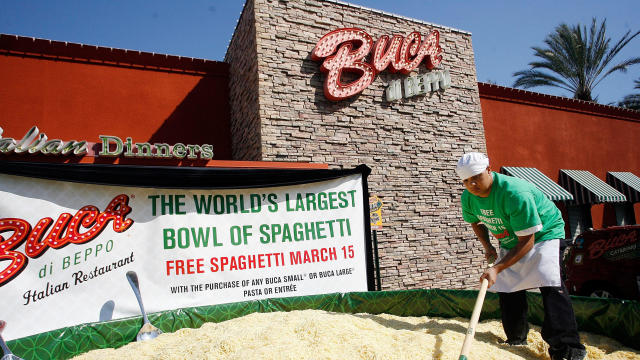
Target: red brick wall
(75, 92)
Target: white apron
(539, 267)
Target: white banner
(65, 247)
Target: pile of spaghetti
(316, 334)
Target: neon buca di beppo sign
(345, 50)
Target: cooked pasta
(316, 334)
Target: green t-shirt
(513, 205)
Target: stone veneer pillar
(279, 113)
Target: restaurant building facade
(280, 100)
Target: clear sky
(503, 31)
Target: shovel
(8, 355)
(148, 331)
(475, 315)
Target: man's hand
(490, 274)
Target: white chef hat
(471, 164)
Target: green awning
(548, 187)
(587, 188)
(625, 182)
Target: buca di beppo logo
(66, 230)
(599, 247)
(346, 48)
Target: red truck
(605, 263)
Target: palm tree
(632, 101)
(575, 60)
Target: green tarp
(617, 319)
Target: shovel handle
(475, 315)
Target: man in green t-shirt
(530, 231)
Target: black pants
(559, 328)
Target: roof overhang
(548, 187)
(587, 188)
(625, 182)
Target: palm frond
(631, 102)
(532, 78)
(622, 67)
(579, 57)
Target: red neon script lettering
(65, 230)
(345, 59)
(403, 54)
(599, 247)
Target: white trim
(529, 231)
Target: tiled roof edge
(558, 102)
(66, 51)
